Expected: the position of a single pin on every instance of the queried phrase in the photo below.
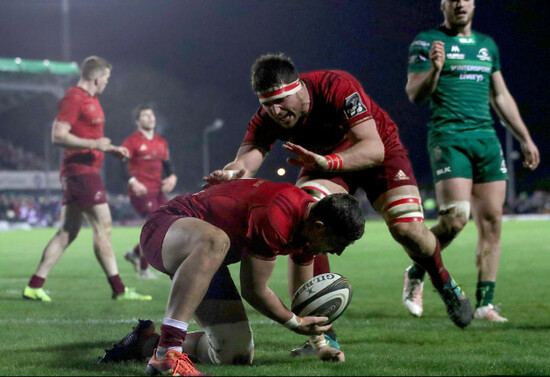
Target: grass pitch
(66, 337)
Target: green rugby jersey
(459, 107)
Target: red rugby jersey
(338, 102)
(85, 115)
(146, 158)
(260, 217)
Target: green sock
(484, 293)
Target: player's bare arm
(367, 151)
(246, 164)
(255, 274)
(507, 110)
(118, 151)
(420, 85)
(169, 183)
(297, 275)
(62, 137)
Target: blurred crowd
(40, 210)
(16, 158)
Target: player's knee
(217, 243)
(227, 344)
(407, 234)
(453, 217)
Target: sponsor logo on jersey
(455, 48)
(143, 147)
(417, 59)
(483, 54)
(455, 56)
(401, 176)
(446, 169)
(466, 40)
(354, 106)
(421, 43)
(471, 76)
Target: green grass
(66, 336)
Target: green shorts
(480, 160)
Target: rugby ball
(326, 295)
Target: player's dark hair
(136, 112)
(93, 66)
(271, 70)
(342, 213)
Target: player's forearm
(266, 302)
(363, 155)
(420, 86)
(507, 110)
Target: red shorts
(147, 203)
(83, 191)
(395, 171)
(152, 237)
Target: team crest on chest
(354, 106)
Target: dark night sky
(192, 58)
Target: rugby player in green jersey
(456, 71)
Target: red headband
(280, 91)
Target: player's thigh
(71, 220)
(188, 235)
(401, 208)
(488, 199)
(453, 189)
(99, 217)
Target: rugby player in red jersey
(149, 161)
(78, 127)
(194, 237)
(343, 141)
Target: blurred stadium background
(191, 61)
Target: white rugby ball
(326, 295)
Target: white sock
(161, 351)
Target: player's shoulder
(287, 199)
(328, 75)
(136, 135)
(331, 83)
(482, 38)
(159, 139)
(287, 209)
(76, 94)
(426, 37)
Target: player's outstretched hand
(304, 158)
(312, 326)
(327, 353)
(218, 176)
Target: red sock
(171, 336)
(320, 265)
(116, 283)
(434, 266)
(36, 282)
